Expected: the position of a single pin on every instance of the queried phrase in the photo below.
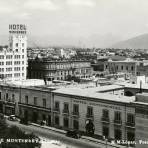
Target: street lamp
(105, 140)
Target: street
(51, 135)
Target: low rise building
(109, 114)
(57, 69)
(128, 66)
(141, 120)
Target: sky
(85, 23)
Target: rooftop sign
(17, 28)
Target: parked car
(2, 116)
(13, 118)
(24, 121)
(73, 134)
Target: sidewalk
(82, 137)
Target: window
(16, 50)
(0, 95)
(1, 57)
(16, 74)
(117, 116)
(26, 99)
(105, 131)
(117, 67)
(16, 44)
(76, 109)
(89, 111)
(57, 107)
(126, 67)
(56, 120)
(8, 63)
(66, 107)
(13, 97)
(130, 118)
(105, 113)
(122, 67)
(43, 116)
(22, 44)
(44, 102)
(7, 96)
(76, 124)
(66, 122)
(35, 100)
(132, 68)
(118, 134)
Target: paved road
(73, 143)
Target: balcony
(30, 106)
(130, 124)
(89, 116)
(65, 111)
(75, 114)
(117, 122)
(105, 119)
(57, 110)
(9, 103)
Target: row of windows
(8, 56)
(17, 75)
(117, 134)
(1, 57)
(35, 101)
(17, 68)
(105, 113)
(10, 69)
(10, 63)
(7, 97)
(1, 63)
(8, 75)
(122, 67)
(11, 56)
(1, 69)
(16, 44)
(18, 56)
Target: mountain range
(107, 41)
(138, 42)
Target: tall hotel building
(13, 60)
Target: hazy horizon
(84, 23)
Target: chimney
(45, 81)
(140, 87)
(96, 83)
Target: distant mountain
(139, 42)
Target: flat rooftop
(104, 88)
(144, 86)
(94, 95)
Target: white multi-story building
(13, 60)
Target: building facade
(129, 67)
(110, 115)
(13, 60)
(58, 70)
(141, 120)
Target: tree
(14, 132)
